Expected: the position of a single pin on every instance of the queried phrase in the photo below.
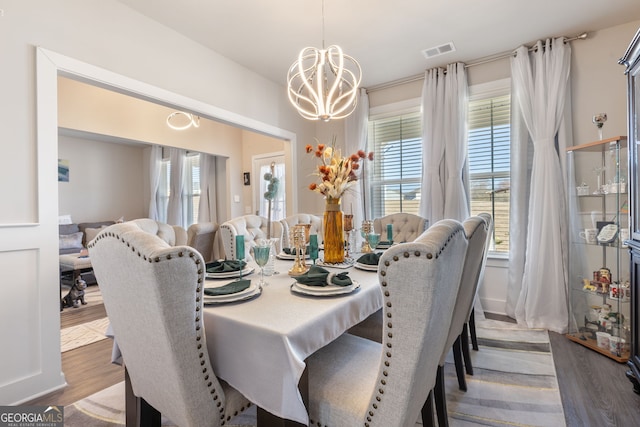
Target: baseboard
(495, 306)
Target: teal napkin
(317, 276)
(386, 243)
(225, 266)
(370, 259)
(228, 289)
(292, 251)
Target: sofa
(74, 238)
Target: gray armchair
(406, 227)
(289, 222)
(253, 228)
(152, 293)
(201, 236)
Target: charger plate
(324, 291)
(348, 263)
(366, 267)
(286, 256)
(252, 291)
(229, 274)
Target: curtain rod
(480, 61)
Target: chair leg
(464, 343)
(457, 358)
(441, 399)
(427, 412)
(472, 329)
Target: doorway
(274, 164)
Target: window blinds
(397, 167)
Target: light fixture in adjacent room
(323, 83)
(179, 120)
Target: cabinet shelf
(593, 345)
(603, 295)
(597, 164)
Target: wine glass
(599, 120)
(373, 239)
(261, 257)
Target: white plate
(366, 267)
(248, 293)
(229, 274)
(286, 256)
(324, 291)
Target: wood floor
(594, 388)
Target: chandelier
(179, 120)
(323, 83)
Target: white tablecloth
(259, 346)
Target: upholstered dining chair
(201, 237)
(152, 293)
(406, 227)
(174, 235)
(471, 322)
(253, 228)
(475, 230)
(302, 218)
(354, 381)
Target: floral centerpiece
(337, 175)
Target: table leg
(267, 419)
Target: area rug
(514, 381)
(514, 384)
(83, 334)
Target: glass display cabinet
(631, 62)
(599, 280)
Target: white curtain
(208, 196)
(456, 201)
(155, 166)
(356, 129)
(541, 83)
(176, 187)
(444, 138)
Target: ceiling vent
(432, 52)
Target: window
(397, 167)
(162, 196)
(191, 195)
(489, 159)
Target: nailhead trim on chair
(198, 323)
(388, 341)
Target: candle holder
(299, 243)
(348, 227)
(367, 228)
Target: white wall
(108, 35)
(105, 180)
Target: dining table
(259, 345)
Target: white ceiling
(386, 37)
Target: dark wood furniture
(631, 61)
